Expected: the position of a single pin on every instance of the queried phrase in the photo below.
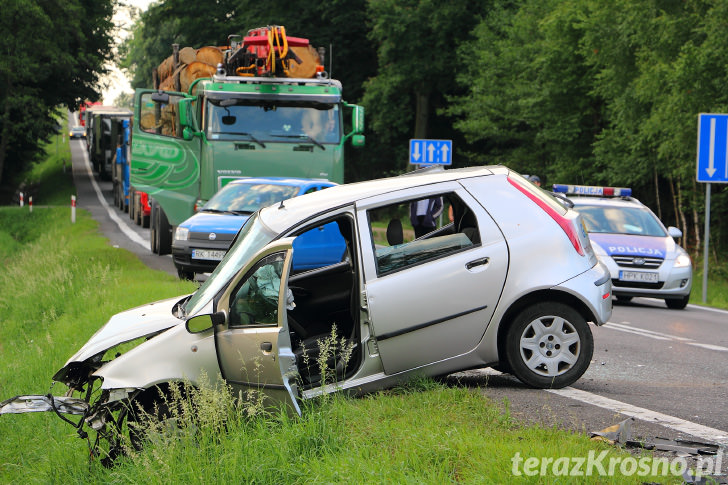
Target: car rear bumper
(595, 288)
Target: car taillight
(568, 225)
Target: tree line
(575, 91)
(52, 55)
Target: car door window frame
(437, 245)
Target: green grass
(50, 180)
(62, 281)
(717, 295)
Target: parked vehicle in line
(201, 241)
(263, 105)
(77, 132)
(641, 254)
(476, 291)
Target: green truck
(262, 106)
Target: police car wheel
(679, 304)
(549, 345)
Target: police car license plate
(209, 254)
(638, 276)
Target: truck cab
(188, 144)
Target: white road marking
(714, 435)
(662, 336)
(133, 236)
(694, 429)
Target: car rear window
(542, 194)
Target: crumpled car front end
(135, 350)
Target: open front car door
(253, 344)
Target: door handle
(477, 262)
(266, 346)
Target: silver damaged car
(503, 276)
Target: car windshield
(620, 220)
(253, 236)
(249, 197)
(278, 122)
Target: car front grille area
(205, 236)
(637, 262)
(637, 284)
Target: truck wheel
(153, 230)
(145, 220)
(549, 345)
(138, 217)
(132, 203)
(116, 195)
(162, 232)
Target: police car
(641, 254)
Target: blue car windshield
(620, 220)
(249, 197)
(253, 236)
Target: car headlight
(683, 260)
(181, 234)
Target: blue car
(201, 241)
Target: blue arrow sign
(430, 152)
(712, 148)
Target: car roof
(309, 205)
(280, 181)
(608, 201)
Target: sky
(116, 82)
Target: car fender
(174, 355)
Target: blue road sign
(712, 148)
(430, 152)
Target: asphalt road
(667, 369)
(96, 196)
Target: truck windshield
(273, 122)
(253, 236)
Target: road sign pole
(706, 243)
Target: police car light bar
(592, 190)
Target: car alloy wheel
(549, 345)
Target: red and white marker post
(73, 208)
(21, 199)
(30, 203)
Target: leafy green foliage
(53, 53)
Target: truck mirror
(183, 107)
(160, 97)
(357, 120)
(187, 133)
(357, 141)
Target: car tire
(549, 345)
(185, 275)
(679, 304)
(153, 405)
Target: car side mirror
(201, 323)
(673, 231)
